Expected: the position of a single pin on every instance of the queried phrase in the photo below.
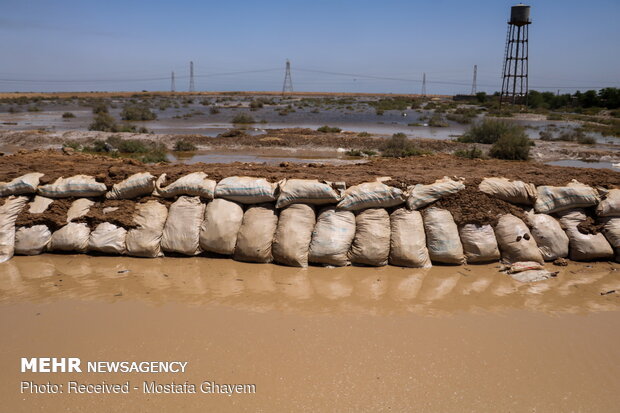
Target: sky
(334, 46)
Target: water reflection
(578, 288)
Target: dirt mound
(123, 216)
(54, 217)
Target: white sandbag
(408, 240)
(32, 240)
(423, 195)
(560, 198)
(551, 239)
(73, 237)
(108, 238)
(515, 192)
(140, 184)
(74, 186)
(371, 195)
(611, 230)
(246, 190)
(79, 208)
(8, 215)
(584, 247)
(39, 204)
(256, 234)
(306, 191)
(182, 228)
(25, 184)
(194, 184)
(610, 206)
(218, 232)
(293, 235)
(332, 237)
(442, 237)
(479, 243)
(371, 245)
(144, 240)
(515, 241)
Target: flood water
(447, 339)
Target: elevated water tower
(515, 71)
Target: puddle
(584, 164)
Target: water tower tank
(520, 15)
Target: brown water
(447, 339)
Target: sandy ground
(351, 339)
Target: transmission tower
(473, 84)
(191, 77)
(288, 82)
(515, 70)
(423, 84)
(172, 85)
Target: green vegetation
(115, 146)
(513, 147)
(184, 146)
(576, 135)
(256, 104)
(399, 146)
(329, 129)
(363, 134)
(472, 153)
(360, 152)
(106, 123)
(68, 115)
(243, 118)
(214, 110)
(437, 121)
(608, 98)
(137, 113)
(100, 107)
(509, 140)
(394, 103)
(34, 109)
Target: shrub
(472, 153)
(490, 131)
(13, 110)
(586, 140)
(363, 134)
(100, 108)
(68, 115)
(437, 121)
(137, 113)
(132, 146)
(103, 122)
(184, 146)
(256, 104)
(34, 109)
(329, 129)
(399, 146)
(511, 146)
(243, 118)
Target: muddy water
(446, 339)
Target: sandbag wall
(300, 222)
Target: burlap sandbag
(75, 186)
(584, 247)
(610, 206)
(25, 184)
(371, 245)
(371, 195)
(256, 234)
(515, 192)
(442, 237)
(479, 243)
(293, 235)
(246, 190)
(73, 237)
(306, 191)
(9, 211)
(32, 240)
(182, 229)
(515, 241)
(108, 239)
(423, 195)
(218, 232)
(194, 184)
(144, 240)
(140, 184)
(408, 240)
(611, 230)
(332, 237)
(560, 198)
(39, 204)
(551, 239)
(79, 208)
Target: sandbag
(25, 184)
(551, 239)
(194, 184)
(408, 240)
(611, 230)
(8, 215)
(332, 237)
(442, 237)
(79, 208)
(108, 238)
(293, 235)
(515, 241)
(371, 195)
(39, 204)
(73, 237)
(560, 198)
(140, 184)
(256, 234)
(182, 228)
(144, 240)
(515, 192)
(218, 232)
(306, 191)
(423, 195)
(32, 240)
(583, 247)
(75, 186)
(610, 206)
(371, 244)
(479, 243)
(246, 190)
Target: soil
(122, 217)
(54, 217)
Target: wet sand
(447, 339)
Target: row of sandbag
(298, 235)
